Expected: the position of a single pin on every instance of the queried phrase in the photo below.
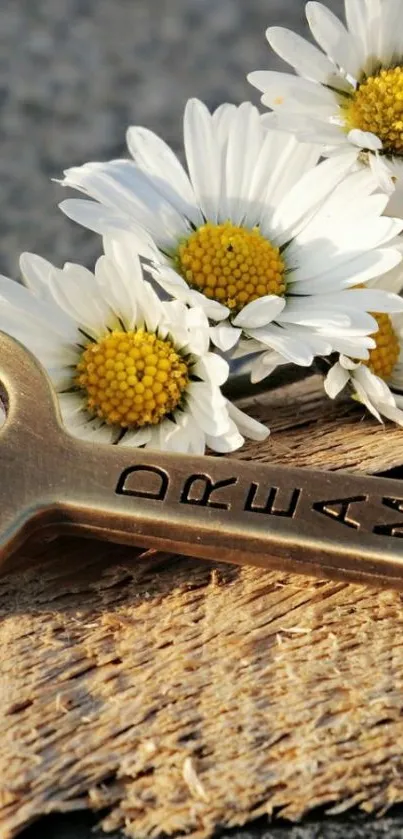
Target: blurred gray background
(75, 73)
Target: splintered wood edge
(182, 695)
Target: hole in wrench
(3, 405)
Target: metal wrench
(336, 525)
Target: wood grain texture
(309, 430)
(177, 695)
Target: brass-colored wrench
(335, 525)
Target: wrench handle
(329, 524)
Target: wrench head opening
(30, 402)
(29, 428)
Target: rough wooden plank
(182, 695)
(310, 430)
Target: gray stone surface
(73, 75)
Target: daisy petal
(301, 201)
(212, 367)
(306, 59)
(332, 36)
(94, 216)
(293, 93)
(226, 443)
(264, 365)
(248, 426)
(363, 397)
(224, 336)
(364, 140)
(155, 157)
(336, 380)
(290, 346)
(260, 312)
(203, 158)
(383, 174)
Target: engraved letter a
(338, 509)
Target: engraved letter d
(152, 480)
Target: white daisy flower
(265, 241)
(347, 95)
(127, 368)
(371, 381)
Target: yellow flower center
(377, 106)
(231, 264)
(131, 379)
(383, 357)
